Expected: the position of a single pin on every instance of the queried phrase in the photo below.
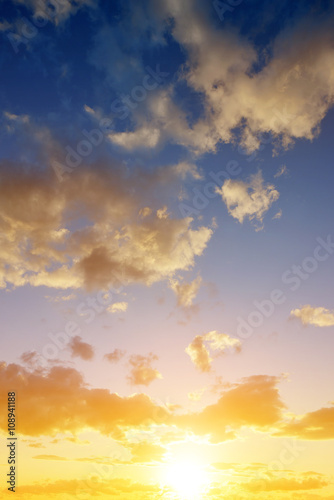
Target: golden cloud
(118, 307)
(317, 316)
(199, 349)
(51, 246)
(288, 96)
(60, 401)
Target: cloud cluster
(60, 401)
(315, 425)
(255, 402)
(87, 232)
(316, 316)
(200, 348)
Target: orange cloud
(286, 484)
(81, 349)
(251, 200)
(315, 425)
(142, 372)
(59, 401)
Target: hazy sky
(167, 248)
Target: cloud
(315, 425)
(59, 401)
(58, 12)
(281, 171)
(89, 234)
(118, 307)
(243, 94)
(317, 316)
(186, 292)
(278, 215)
(115, 356)
(286, 484)
(115, 487)
(248, 200)
(81, 349)
(255, 402)
(199, 349)
(199, 354)
(60, 298)
(142, 372)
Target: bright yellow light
(187, 478)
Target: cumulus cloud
(200, 348)
(80, 349)
(60, 298)
(115, 356)
(54, 247)
(57, 11)
(315, 425)
(186, 292)
(59, 401)
(142, 372)
(254, 402)
(317, 316)
(299, 482)
(248, 199)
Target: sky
(167, 249)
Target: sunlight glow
(187, 478)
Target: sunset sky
(167, 248)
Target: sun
(187, 478)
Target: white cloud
(118, 307)
(248, 200)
